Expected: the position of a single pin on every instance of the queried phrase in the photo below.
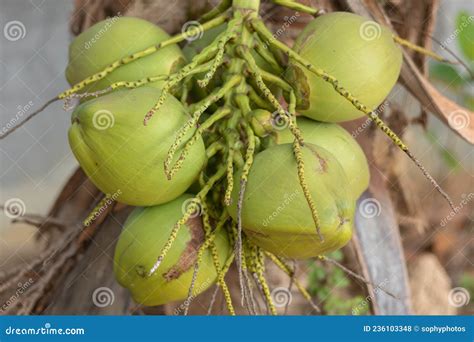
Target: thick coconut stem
(256, 74)
(246, 5)
(297, 7)
(261, 49)
(223, 6)
(260, 28)
(259, 102)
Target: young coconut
(275, 213)
(146, 232)
(113, 39)
(122, 156)
(360, 53)
(342, 145)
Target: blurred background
(36, 162)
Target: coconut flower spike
(221, 271)
(260, 28)
(175, 79)
(288, 116)
(140, 54)
(68, 94)
(193, 121)
(190, 210)
(221, 45)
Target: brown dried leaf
(458, 118)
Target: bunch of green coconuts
(228, 144)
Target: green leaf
(337, 255)
(469, 102)
(447, 74)
(465, 32)
(467, 281)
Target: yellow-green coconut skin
(124, 158)
(275, 214)
(141, 241)
(113, 39)
(342, 145)
(359, 53)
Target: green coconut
(359, 53)
(275, 214)
(113, 39)
(342, 145)
(123, 157)
(143, 237)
